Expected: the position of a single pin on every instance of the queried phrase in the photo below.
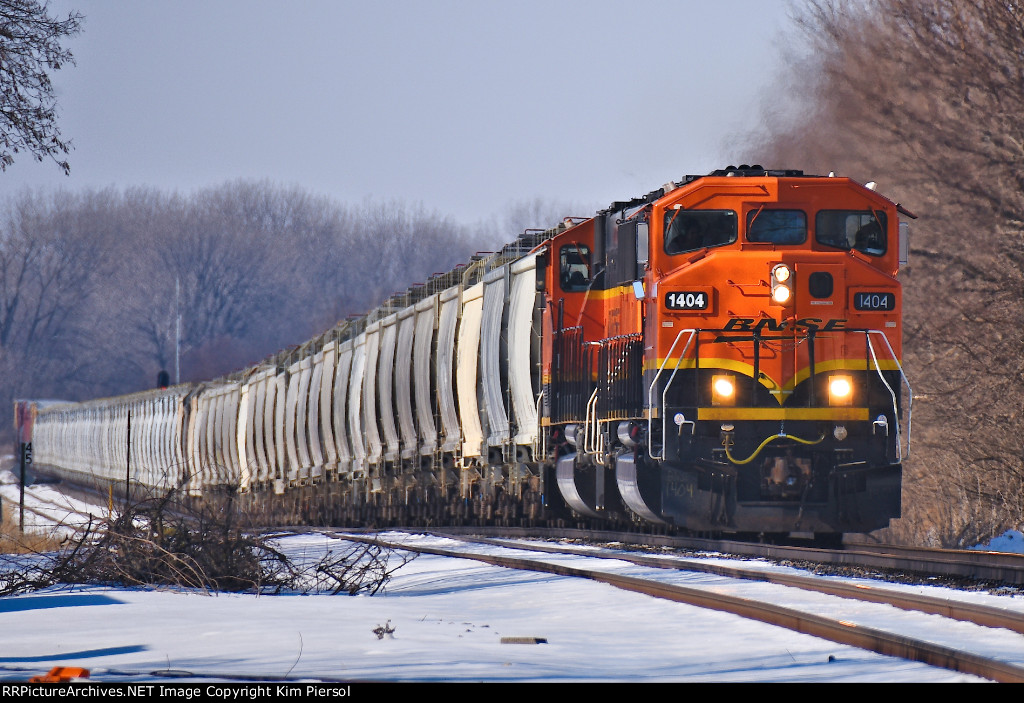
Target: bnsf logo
(749, 324)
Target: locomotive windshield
(689, 230)
(777, 226)
(863, 230)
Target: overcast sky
(464, 106)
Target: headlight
(780, 294)
(840, 390)
(781, 284)
(723, 390)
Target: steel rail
(1005, 560)
(969, 564)
(88, 521)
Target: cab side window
(574, 267)
(690, 230)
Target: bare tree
(30, 48)
(395, 245)
(91, 285)
(255, 267)
(199, 259)
(538, 213)
(52, 257)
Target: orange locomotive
(724, 355)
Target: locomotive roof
(755, 171)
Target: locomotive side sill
(777, 503)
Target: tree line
(92, 283)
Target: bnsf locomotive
(720, 355)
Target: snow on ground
(449, 617)
(1009, 541)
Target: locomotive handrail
(591, 446)
(540, 445)
(892, 393)
(650, 392)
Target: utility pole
(24, 419)
(128, 465)
(26, 458)
(177, 331)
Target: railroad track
(50, 508)
(894, 562)
(844, 613)
(1002, 567)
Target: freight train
(721, 355)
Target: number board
(874, 300)
(687, 300)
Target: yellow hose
(765, 444)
